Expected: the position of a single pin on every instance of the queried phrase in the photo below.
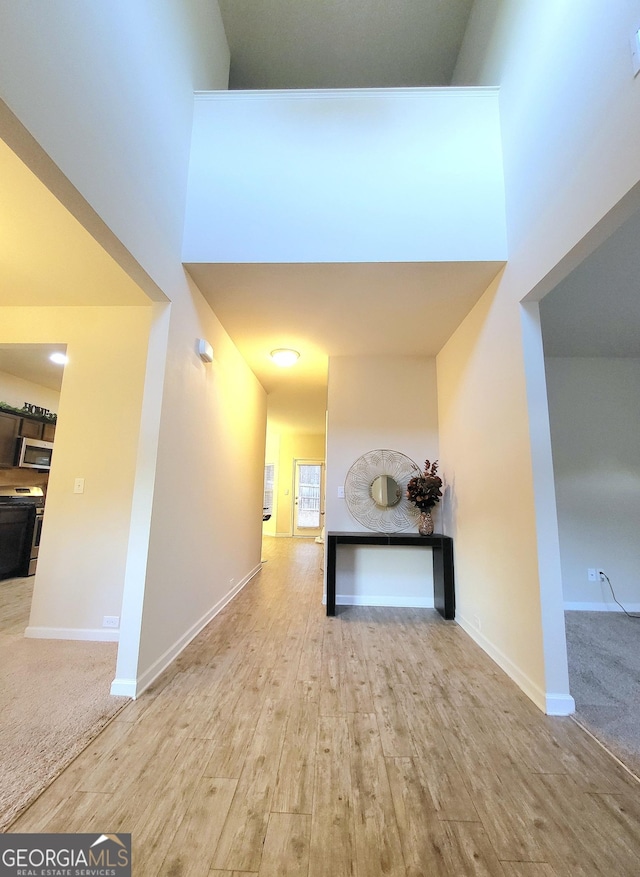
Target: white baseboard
(124, 688)
(88, 634)
(601, 607)
(560, 705)
(134, 688)
(553, 704)
(400, 602)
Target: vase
(425, 524)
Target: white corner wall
(367, 175)
(379, 402)
(116, 118)
(569, 132)
(594, 408)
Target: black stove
(21, 514)
(22, 496)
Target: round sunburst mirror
(375, 490)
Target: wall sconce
(205, 350)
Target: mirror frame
(360, 502)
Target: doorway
(308, 507)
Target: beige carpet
(54, 699)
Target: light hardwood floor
(15, 606)
(379, 742)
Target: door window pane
(309, 478)
(267, 501)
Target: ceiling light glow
(59, 358)
(285, 357)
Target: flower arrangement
(424, 490)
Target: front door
(308, 508)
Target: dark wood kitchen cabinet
(37, 429)
(9, 431)
(31, 428)
(48, 432)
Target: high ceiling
(337, 309)
(349, 309)
(343, 43)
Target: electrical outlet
(592, 574)
(111, 621)
(477, 623)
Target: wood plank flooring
(379, 743)
(15, 606)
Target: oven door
(16, 537)
(35, 541)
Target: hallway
(382, 741)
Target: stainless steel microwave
(34, 454)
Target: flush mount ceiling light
(285, 357)
(59, 358)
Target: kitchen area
(27, 434)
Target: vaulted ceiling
(320, 43)
(343, 43)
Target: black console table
(444, 591)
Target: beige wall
(379, 402)
(282, 449)
(83, 551)
(16, 391)
(205, 538)
(485, 447)
(291, 447)
(570, 135)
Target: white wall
(379, 402)
(116, 115)
(570, 132)
(337, 176)
(594, 408)
(116, 118)
(16, 391)
(570, 127)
